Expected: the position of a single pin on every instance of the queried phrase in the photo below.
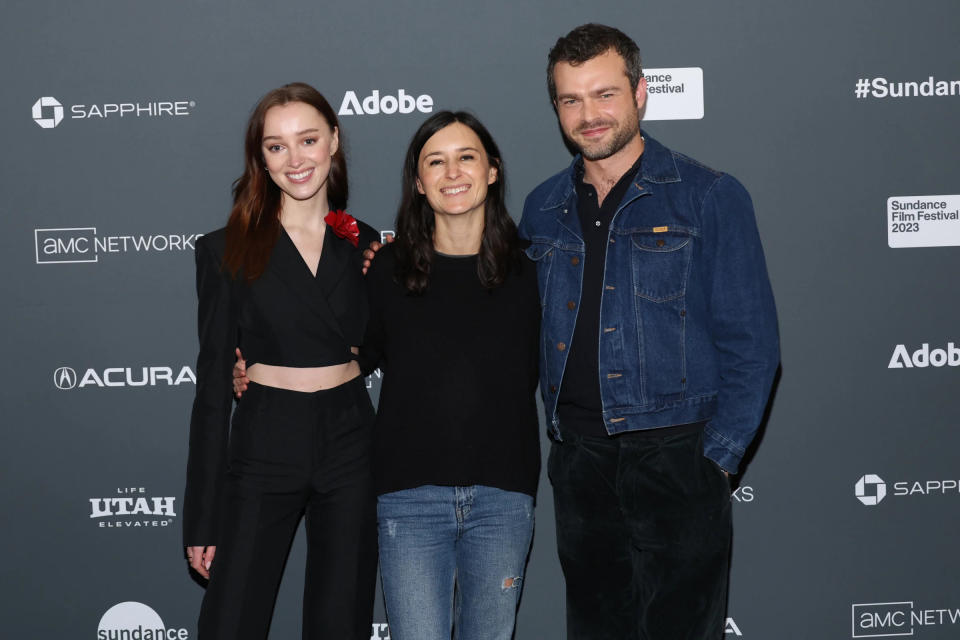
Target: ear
(420, 187)
(641, 95)
(492, 175)
(335, 140)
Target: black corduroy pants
(643, 534)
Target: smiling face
(297, 146)
(598, 111)
(453, 171)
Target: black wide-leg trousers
(643, 534)
(296, 455)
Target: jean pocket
(718, 472)
(661, 263)
(542, 253)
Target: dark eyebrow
(566, 96)
(436, 153)
(299, 133)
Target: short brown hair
(589, 41)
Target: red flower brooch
(344, 225)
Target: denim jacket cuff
(716, 450)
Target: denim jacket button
(574, 260)
(561, 346)
(571, 305)
(660, 242)
(553, 388)
(683, 313)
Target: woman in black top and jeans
(282, 281)
(454, 325)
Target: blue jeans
(432, 538)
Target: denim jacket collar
(658, 167)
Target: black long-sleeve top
(459, 365)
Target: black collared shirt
(579, 405)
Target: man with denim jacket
(658, 349)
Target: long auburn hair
(254, 224)
(415, 223)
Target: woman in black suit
(283, 282)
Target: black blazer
(286, 317)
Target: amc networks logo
(894, 619)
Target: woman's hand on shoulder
(240, 379)
(371, 252)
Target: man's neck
(606, 173)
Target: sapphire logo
(48, 112)
(65, 378)
(52, 118)
(871, 489)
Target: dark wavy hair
(415, 219)
(254, 224)
(589, 41)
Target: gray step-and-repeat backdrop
(124, 123)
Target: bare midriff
(306, 379)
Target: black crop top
(286, 317)
(330, 313)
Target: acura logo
(65, 378)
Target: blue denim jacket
(688, 327)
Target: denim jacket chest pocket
(542, 252)
(660, 261)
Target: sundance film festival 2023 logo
(83, 244)
(68, 378)
(136, 621)
(48, 112)
(674, 94)
(923, 221)
(132, 508)
(893, 619)
(871, 489)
